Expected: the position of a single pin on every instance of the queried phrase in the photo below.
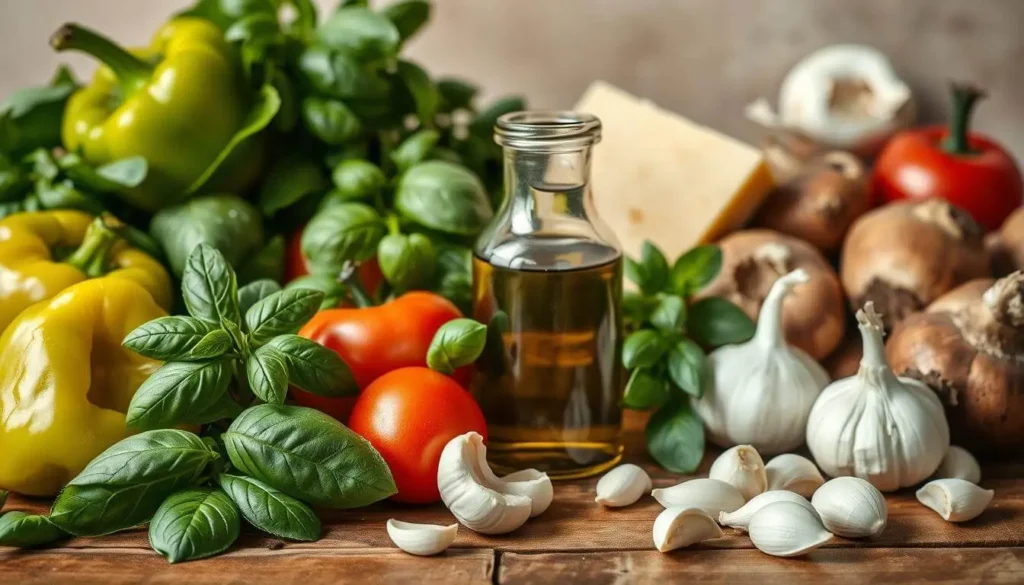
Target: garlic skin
(960, 464)
(622, 486)
(851, 507)
(742, 467)
(421, 539)
(678, 527)
(794, 473)
(889, 431)
(787, 529)
(761, 392)
(740, 519)
(711, 495)
(468, 489)
(956, 500)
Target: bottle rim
(547, 130)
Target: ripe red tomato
(409, 415)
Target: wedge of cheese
(659, 176)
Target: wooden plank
(833, 566)
(246, 567)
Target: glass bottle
(547, 279)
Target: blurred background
(705, 59)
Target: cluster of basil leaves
(232, 358)
(665, 350)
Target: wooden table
(574, 541)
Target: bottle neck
(543, 188)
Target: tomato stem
(965, 97)
(349, 276)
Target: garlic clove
(794, 473)
(678, 527)
(622, 486)
(711, 495)
(740, 519)
(743, 468)
(956, 500)
(464, 480)
(787, 529)
(531, 483)
(421, 539)
(851, 507)
(959, 463)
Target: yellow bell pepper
(32, 268)
(66, 381)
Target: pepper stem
(769, 322)
(93, 256)
(349, 276)
(131, 71)
(965, 97)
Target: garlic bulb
(678, 527)
(794, 473)
(956, 500)
(786, 529)
(421, 539)
(959, 463)
(760, 392)
(890, 431)
(742, 467)
(622, 486)
(711, 495)
(740, 519)
(851, 507)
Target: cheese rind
(658, 176)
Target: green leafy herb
(179, 392)
(360, 32)
(267, 375)
(408, 16)
(256, 290)
(28, 530)
(424, 93)
(330, 120)
(407, 262)
(669, 314)
(271, 510)
(456, 344)
(444, 197)
(168, 338)
(209, 288)
(695, 269)
(643, 349)
(314, 368)
(356, 180)
(456, 94)
(334, 292)
(194, 524)
(714, 322)
(687, 367)
(675, 436)
(345, 232)
(415, 149)
(281, 312)
(645, 389)
(290, 180)
(651, 272)
(228, 223)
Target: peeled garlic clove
(464, 480)
(740, 519)
(956, 500)
(711, 495)
(622, 486)
(421, 539)
(959, 463)
(851, 507)
(794, 473)
(531, 483)
(787, 529)
(743, 468)
(678, 527)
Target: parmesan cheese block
(659, 176)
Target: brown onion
(813, 314)
(1007, 244)
(905, 255)
(972, 355)
(845, 360)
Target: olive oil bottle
(547, 280)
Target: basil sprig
(665, 349)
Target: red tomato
(409, 415)
(296, 265)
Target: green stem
(965, 97)
(93, 256)
(394, 228)
(133, 73)
(350, 277)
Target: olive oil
(549, 381)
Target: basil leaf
(422, 90)
(229, 223)
(643, 349)
(651, 272)
(124, 485)
(456, 94)
(224, 408)
(406, 262)
(444, 197)
(638, 308)
(675, 436)
(669, 314)
(23, 530)
(483, 124)
(360, 32)
(194, 524)
(688, 367)
(270, 510)
(314, 368)
(695, 269)
(714, 322)
(268, 375)
(214, 344)
(64, 195)
(261, 113)
(178, 392)
(31, 118)
(334, 291)
(289, 180)
(208, 287)
(255, 291)
(645, 390)
(344, 232)
(268, 263)
(308, 455)
(415, 149)
(260, 26)
(335, 74)
(357, 179)
(457, 343)
(408, 16)
(282, 312)
(167, 338)
(114, 177)
(330, 120)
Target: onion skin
(813, 315)
(1007, 245)
(845, 360)
(903, 256)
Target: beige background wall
(703, 58)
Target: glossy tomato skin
(296, 266)
(409, 415)
(986, 183)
